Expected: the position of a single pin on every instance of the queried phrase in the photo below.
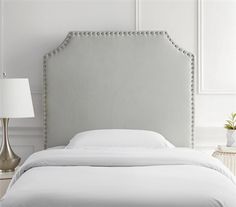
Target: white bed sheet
(115, 178)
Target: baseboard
(210, 136)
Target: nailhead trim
(115, 33)
(45, 100)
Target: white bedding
(115, 177)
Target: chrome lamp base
(8, 159)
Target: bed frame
(133, 80)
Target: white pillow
(118, 138)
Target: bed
(123, 105)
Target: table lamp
(15, 102)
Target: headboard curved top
(129, 80)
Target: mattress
(128, 178)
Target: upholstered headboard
(134, 80)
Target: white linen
(119, 138)
(57, 147)
(128, 178)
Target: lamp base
(8, 159)
(9, 165)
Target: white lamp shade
(15, 98)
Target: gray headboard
(133, 80)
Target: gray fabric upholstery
(122, 80)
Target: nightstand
(5, 179)
(228, 156)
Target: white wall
(183, 19)
(217, 69)
(33, 27)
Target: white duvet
(100, 177)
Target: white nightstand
(228, 156)
(5, 179)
